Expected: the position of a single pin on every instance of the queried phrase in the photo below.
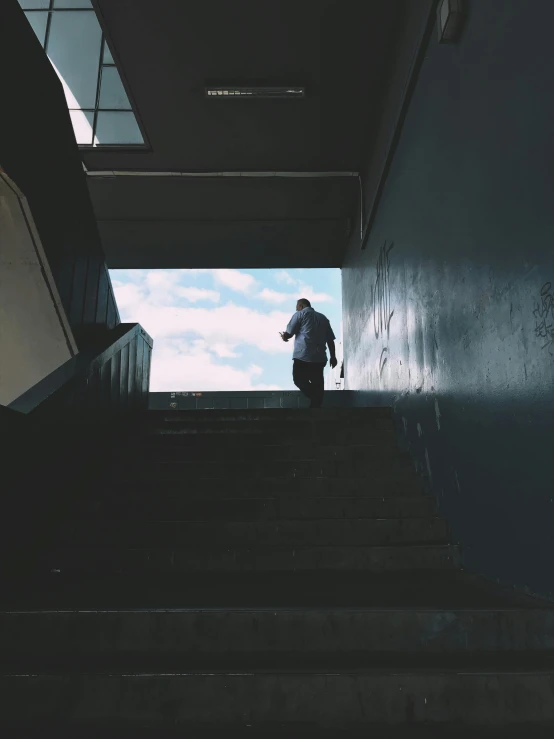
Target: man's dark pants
(308, 378)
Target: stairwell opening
(216, 332)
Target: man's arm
(333, 360)
(291, 328)
(331, 345)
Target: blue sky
(218, 329)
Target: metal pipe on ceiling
(131, 173)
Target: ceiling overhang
(241, 183)
(253, 220)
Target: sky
(218, 329)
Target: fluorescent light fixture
(255, 92)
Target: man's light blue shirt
(312, 331)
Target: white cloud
(302, 290)
(273, 296)
(241, 282)
(128, 297)
(161, 278)
(230, 325)
(313, 297)
(176, 365)
(286, 278)
(224, 351)
(161, 286)
(195, 294)
(225, 326)
(234, 279)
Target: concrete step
(324, 699)
(347, 416)
(279, 730)
(276, 660)
(292, 635)
(259, 509)
(125, 487)
(409, 589)
(284, 559)
(283, 432)
(395, 469)
(218, 535)
(376, 453)
(250, 437)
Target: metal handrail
(79, 367)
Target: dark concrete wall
(449, 311)
(38, 151)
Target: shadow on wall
(472, 391)
(449, 311)
(39, 153)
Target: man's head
(303, 303)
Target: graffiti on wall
(544, 317)
(383, 360)
(382, 311)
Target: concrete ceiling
(168, 51)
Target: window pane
(38, 21)
(82, 125)
(108, 58)
(72, 4)
(34, 4)
(112, 92)
(117, 128)
(74, 50)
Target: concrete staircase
(266, 573)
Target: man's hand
(285, 336)
(332, 352)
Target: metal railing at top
(112, 373)
(222, 400)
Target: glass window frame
(49, 9)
